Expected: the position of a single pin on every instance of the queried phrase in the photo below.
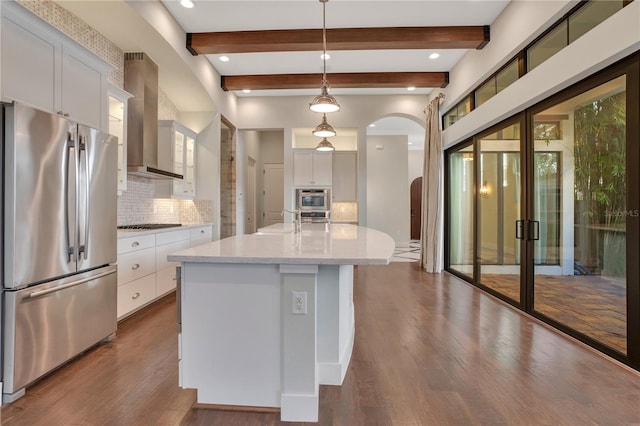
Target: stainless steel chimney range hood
(141, 80)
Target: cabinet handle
(135, 244)
(135, 295)
(202, 231)
(135, 266)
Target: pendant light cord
(324, 44)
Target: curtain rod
(439, 98)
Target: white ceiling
(240, 15)
(119, 22)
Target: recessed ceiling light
(372, 125)
(224, 58)
(411, 88)
(325, 56)
(186, 3)
(246, 90)
(434, 56)
(410, 143)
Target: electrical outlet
(299, 300)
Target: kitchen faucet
(297, 222)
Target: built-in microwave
(313, 199)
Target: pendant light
(324, 129)
(324, 145)
(324, 102)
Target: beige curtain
(432, 202)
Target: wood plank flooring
(429, 350)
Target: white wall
(387, 189)
(357, 112)
(159, 18)
(416, 159)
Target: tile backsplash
(137, 205)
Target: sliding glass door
(552, 225)
(500, 210)
(580, 213)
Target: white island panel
(242, 344)
(231, 334)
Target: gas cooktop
(150, 226)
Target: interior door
(416, 208)
(250, 223)
(273, 193)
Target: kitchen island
(268, 317)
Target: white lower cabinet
(166, 243)
(135, 294)
(136, 264)
(201, 235)
(144, 273)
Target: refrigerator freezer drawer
(46, 325)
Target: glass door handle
(533, 230)
(520, 229)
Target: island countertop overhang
(316, 244)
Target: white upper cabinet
(177, 153)
(43, 68)
(118, 103)
(312, 168)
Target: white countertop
(317, 244)
(122, 233)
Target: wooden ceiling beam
(453, 37)
(337, 80)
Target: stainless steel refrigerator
(59, 242)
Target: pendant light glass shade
(324, 145)
(324, 102)
(324, 129)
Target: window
(547, 46)
(590, 15)
(585, 16)
(497, 83)
(461, 109)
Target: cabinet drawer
(166, 280)
(137, 264)
(135, 294)
(201, 235)
(163, 251)
(172, 236)
(136, 242)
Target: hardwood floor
(429, 350)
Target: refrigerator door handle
(84, 247)
(67, 164)
(71, 284)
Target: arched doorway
(416, 207)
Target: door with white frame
(250, 200)
(273, 193)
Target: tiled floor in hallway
(407, 254)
